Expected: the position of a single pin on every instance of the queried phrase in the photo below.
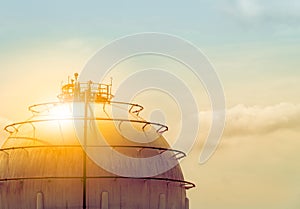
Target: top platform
(76, 91)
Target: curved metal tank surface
(43, 164)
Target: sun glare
(61, 111)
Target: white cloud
(249, 8)
(261, 12)
(243, 120)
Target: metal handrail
(162, 128)
(185, 184)
(33, 109)
(177, 152)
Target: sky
(253, 45)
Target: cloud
(245, 120)
(249, 8)
(261, 12)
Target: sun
(62, 111)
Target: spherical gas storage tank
(88, 151)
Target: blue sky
(206, 22)
(227, 31)
(217, 27)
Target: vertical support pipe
(86, 103)
(39, 201)
(104, 200)
(187, 203)
(162, 201)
